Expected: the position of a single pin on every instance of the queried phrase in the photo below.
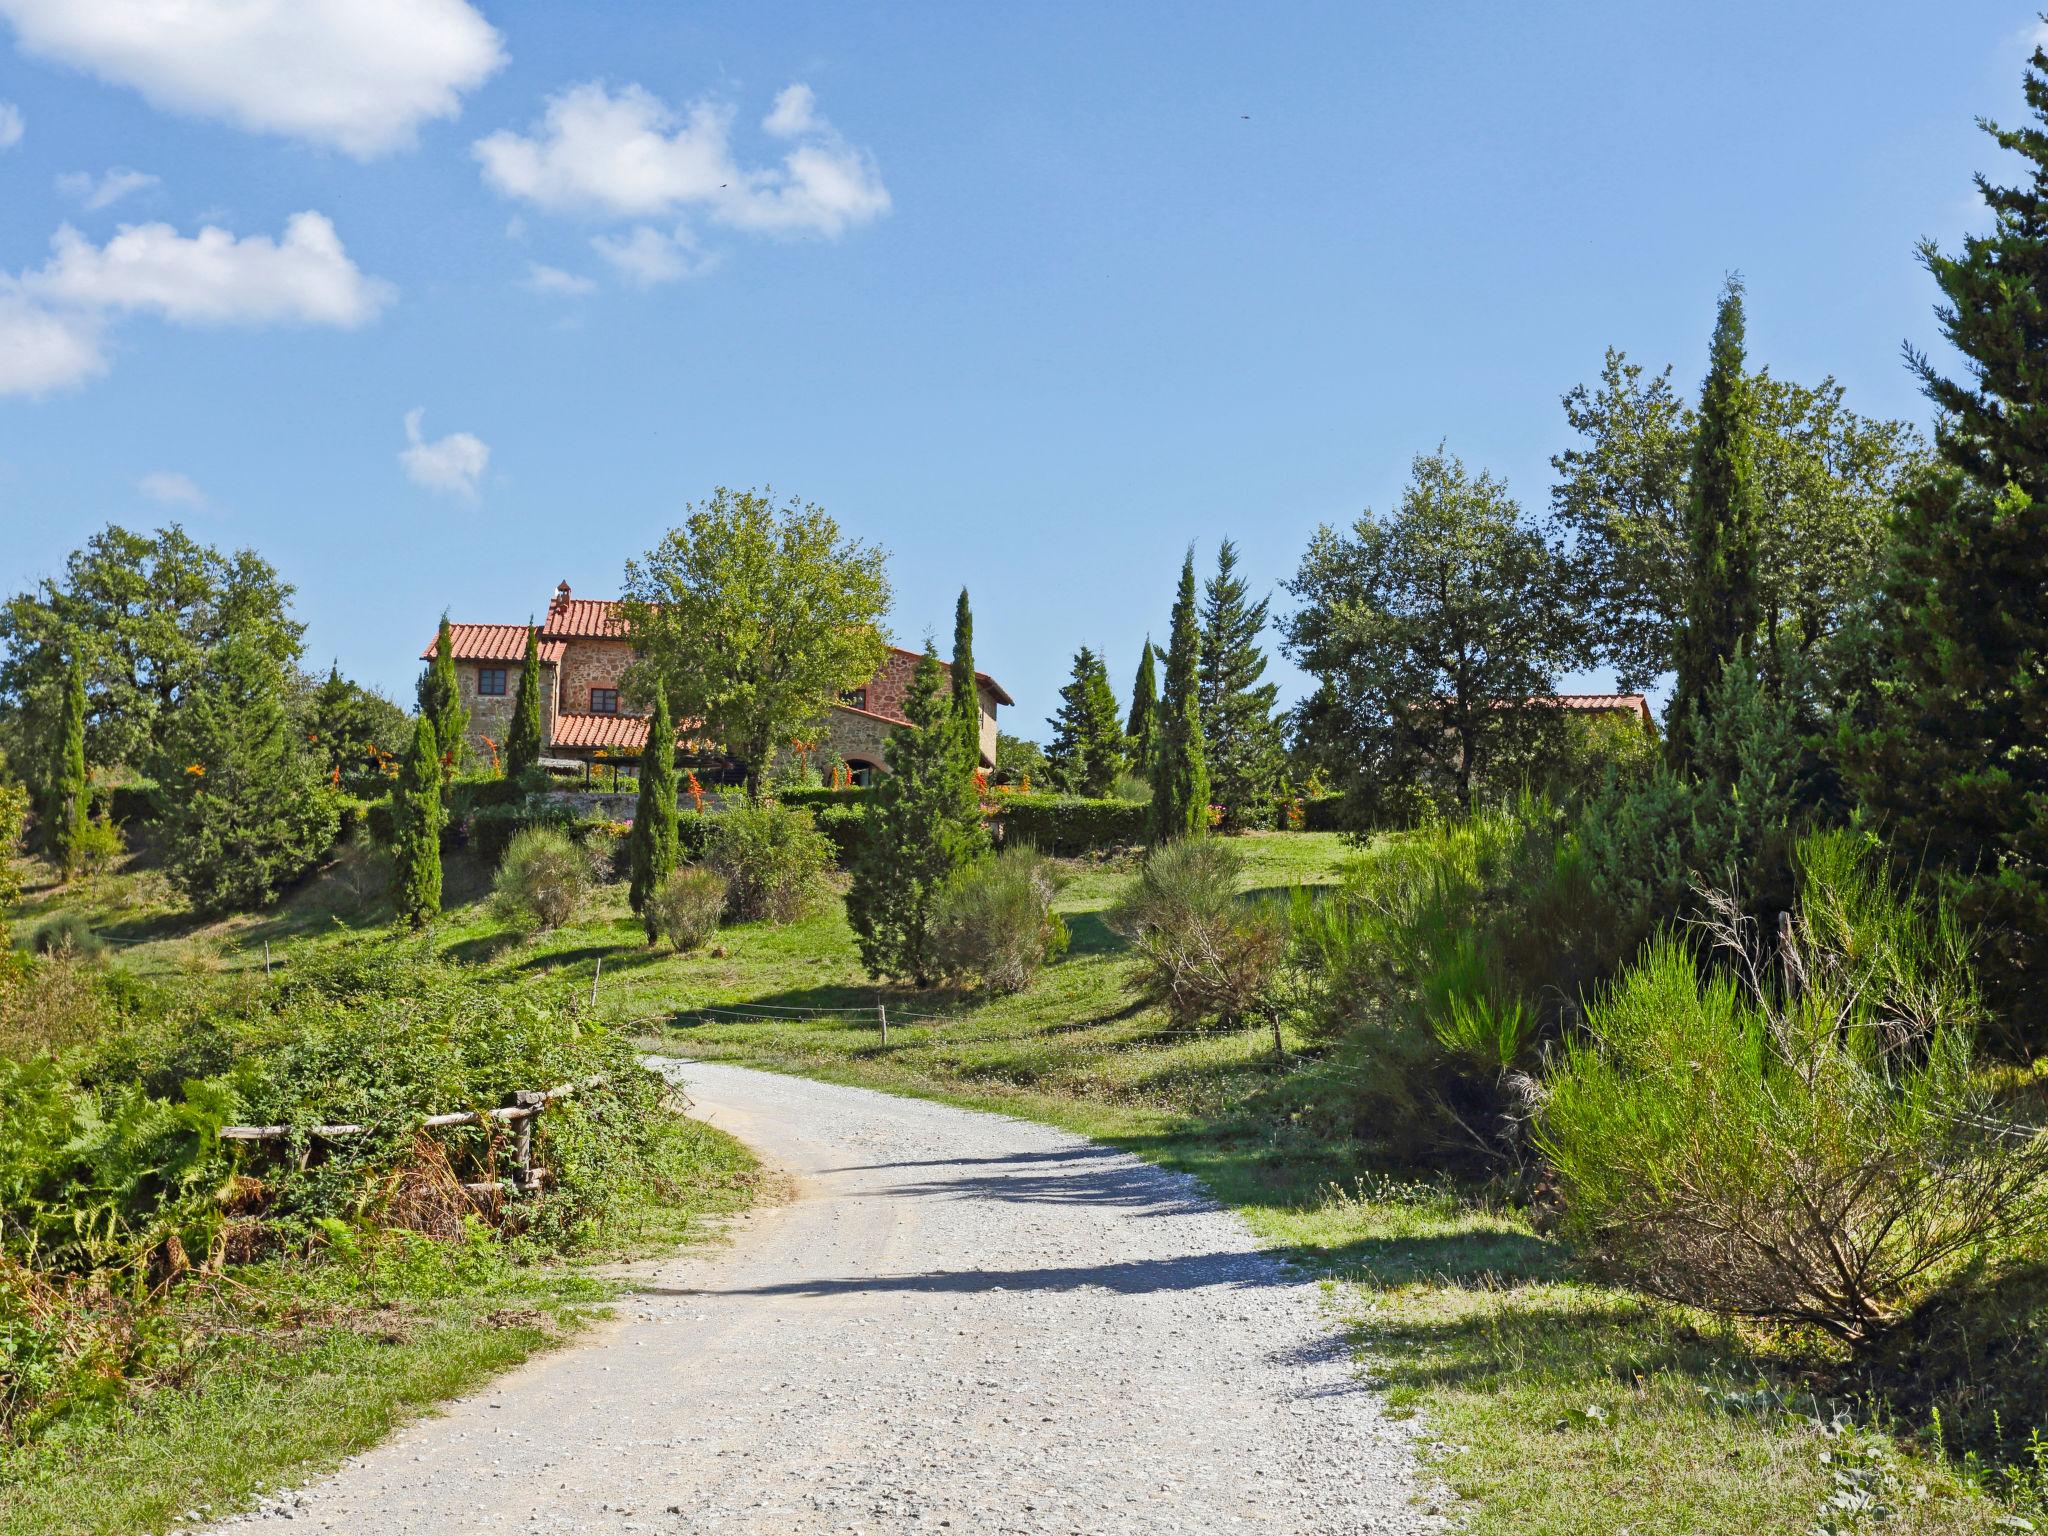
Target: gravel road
(961, 1323)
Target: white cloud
(795, 113)
(360, 75)
(171, 489)
(213, 278)
(43, 349)
(647, 256)
(96, 192)
(627, 155)
(11, 125)
(453, 463)
(542, 278)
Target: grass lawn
(1552, 1404)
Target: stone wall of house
(856, 738)
(891, 686)
(588, 664)
(490, 715)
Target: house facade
(584, 654)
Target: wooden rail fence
(525, 1106)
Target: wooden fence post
(529, 1177)
(1279, 1050)
(882, 1016)
(596, 972)
(266, 959)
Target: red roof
(994, 687)
(583, 618)
(1600, 703)
(492, 642)
(625, 732)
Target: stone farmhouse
(584, 653)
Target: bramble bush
(1794, 1131)
(770, 856)
(1202, 950)
(995, 926)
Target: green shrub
(771, 857)
(996, 926)
(844, 827)
(68, 933)
(1067, 824)
(98, 845)
(687, 907)
(542, 878)
(1794, 1133)
(818, 797)
(1203, 951)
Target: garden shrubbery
(771, 858)
(1202, 951)
(688, 906)
(995, 926)
(542, 879)
(1068, 824)
(1794, 1132)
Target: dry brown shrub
(422, 1193)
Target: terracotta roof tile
(626, 732)
(492, 642)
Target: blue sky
(1030, 295)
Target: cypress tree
(65, 812)
(1180, 776)
(923, 824)
(966, 695)
(440, 699)
(1722, 610)
(1246, 758)
(1141, 732)
(416, 829)
(653, 847)
(522, 741)
(1950, 746)
(1087, 750)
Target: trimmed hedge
(844, 826)
(1323, 813)
(826, 799)
(1065, 824)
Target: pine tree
(440, 698)
(66, 808)
(1087, 752)
(242, 794)
(416, 830)
(653, 848)
(1246, 755)
(923, 823)
(1141, 731)
(966, 692)
(1180, 775)
(1722, 611)
(1950, 749)
(522, 741)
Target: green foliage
(67, 933)
(415, 837)
(1019, 761)
(1247, 757)
(1951, 746)
(357, 731)
(995, 927)
(1722, 609)
(1141, 731)
(65, 815)
(1594, 750)
(97, 845)
(654, 816)
(772, 858)
(687, 907)
(143, 613)
(1087, 749)
(754, 620)
(523, 740)
(1180, 769)
(542, 879)
(242, 799)
(1433, 637)
(923, 825)
(1796, 1132)
(1202, 951)
(966, 692)
(1825, 482)
(440, 701)
(1652, 840)
(13, 823)
(1067, 824)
